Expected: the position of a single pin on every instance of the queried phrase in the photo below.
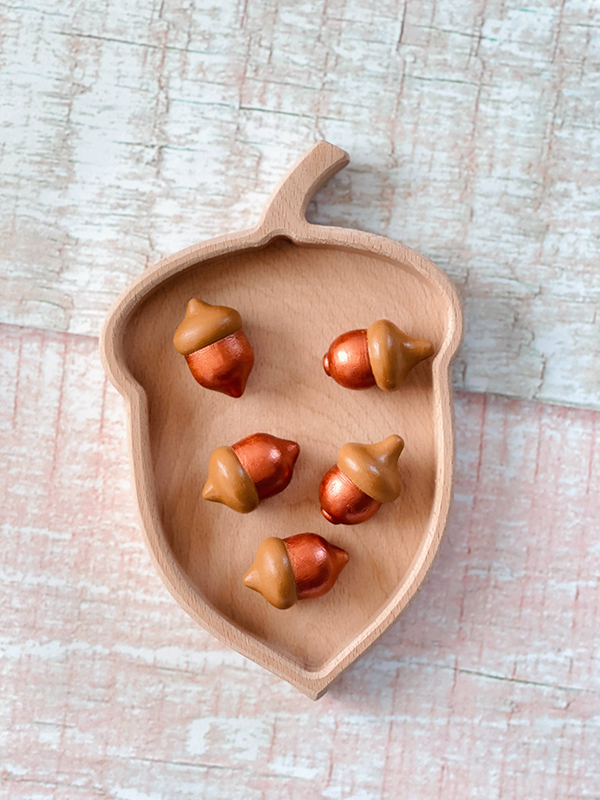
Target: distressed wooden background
(135, 128)
(131, 129)
(487, 687)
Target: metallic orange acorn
(249, 471)
(381, 354)
(297, 568)
(365, 476)
(217, 351)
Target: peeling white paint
(473, 132)
(241, 738)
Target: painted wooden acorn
(297, 568)
(365, 477)
(381, 354)
(251, 470)
(217, 351)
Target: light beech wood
(297, 286)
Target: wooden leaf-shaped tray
(297, 287)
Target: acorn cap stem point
(373, 468)
(272, 575)
(204, 324)
(252, 579)
(229, 483)
(393, 353)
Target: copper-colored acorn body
(216, 349)
(365, 477)
(251, 470)
(297, 568)
(381, 355)
(223, 366)
(342, 501)
(347, 361)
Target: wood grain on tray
(295, 285)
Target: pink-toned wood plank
(487, 687)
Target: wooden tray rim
(293, 226)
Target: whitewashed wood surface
(130, 130)
(486, 687)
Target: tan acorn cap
(204, 324)
(272, 574)
(373, 467)
(229, 483)
(393, 354)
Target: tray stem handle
(286, 208)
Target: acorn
(251, 470)
(381, 354)
(217, 351)
(297, 568)
(365, 477)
